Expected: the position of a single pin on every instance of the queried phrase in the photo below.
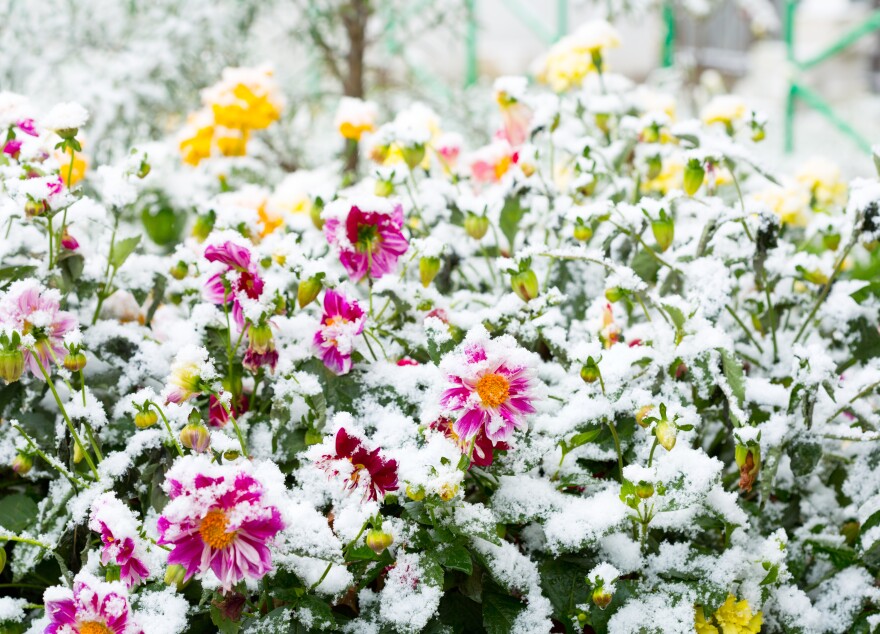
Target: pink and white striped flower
(490, 387)
(33, 310)
(92, 607)
(343, 320)
(238, 283)
(368, 237)
(191, 372)
(218, 520)
(119, 534)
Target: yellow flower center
(213, 530)
(493, 390)
(94, 627)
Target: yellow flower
(726, 109)
(80, 164)
(733, 617)
(671, 177)
(355, 117)
(790, 203)
(197, 137)
(823, 179)
(573, 57)
(232, 142)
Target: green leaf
(562, 581)
(511, 215)
(17, 512)
(460, 613)
(584, 437)
(122, 249)
(499, 610)
(677, 316)
(733, 372)
(841, 556)
(278, 620)
(322, 616)
(456, 558)
(805, 455)
(772, 575)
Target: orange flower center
(493, 390)
(213, 530)
(94, 627)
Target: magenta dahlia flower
(369, 242)
(341, 323)
(363, 468)
(92, 607)
(119, 534)
(238, 283)
(218, 520)
(32, 310)
(490, 390)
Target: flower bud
(308, 290)
(416, 494)
(78, 453)
(748, 459)
(601, 598)
(195, 436)
(651, 134)
(448, 491)
(582, 232)
(525, 284)
(664, 231)
(74, 361)
(614, 293)
(34, 208)
(179, 270)
(590, 371)
(476, 226)
(315, 214)
(231, 455)
(67, 133)
(378, 541)
(11, 364)
(666, 434)
(22, 464)
(175, 575)
(428, 269)
(694, 173)
(203, 226)
(384, 188)
(145, 419)
(68, 241)
(143, 170)
(602, 119)
(644, 490)
(413, 155)
(260, 338)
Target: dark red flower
(484, 448)
(370, 470)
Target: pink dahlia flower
(362, 467)
(28, 127)
(490, 163)
(92, 607)
(240, 281)
(218, 520)
(488, 392)
(119, 534)
(341, 323)
(484, 448)
(12, 148)
(369, 242)
(33, 310)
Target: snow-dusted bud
(601, 598)
(644, 490)
(378, 541)
(590, 371)
(476, 226)
(416, 494)
(582, 231)
(694, 173)
(179, 270)
(384, 188)
(642, 413)
(525, 284)
(666, 434)
(428, 268)
(146, 418)
(748, 459)
(413, 155)
(203, 226)
(614, 294)
(195, 436)
(663, 229)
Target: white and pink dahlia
(92, 607)
(33, 310)
(119, 534)
(490, 387)
(219, 520)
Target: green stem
(102, 293)
(651, 455)
(745, 330)
(344, 552)
(234, 425)
(67, 420)
(168, 427)
(827, 288)
(617, 447)
(54, 463)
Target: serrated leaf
(122, 249)
(456, 558)
(733, 372)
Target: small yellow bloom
(733, 617)
(726, 109)
(790, 203)
(825, 183)
(355, 117)
(80, 164)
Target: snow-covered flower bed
(603, 374)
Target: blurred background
(813, 66)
